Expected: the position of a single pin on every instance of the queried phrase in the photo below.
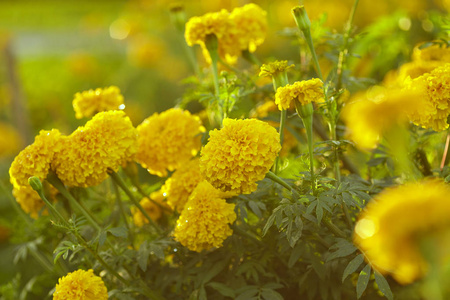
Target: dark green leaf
(352, 266)
(102, 238)
(255, 208)
(157, 250)
(142, 256)
(119, 232)
(344, 248)
(215, 270)
(269, 224)
(295, 255)
(383, 285)
(363, 280)
(319, 212)
(222, 289)
(268, 294)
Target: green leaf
(268, 224)
(383, 285)
(158, 250)
(202, 294)
(255, 208)
(344, 248)
(352, 266)
(102, 238)
(268, 294)
(142, 256)
(215, 270)
(222, 289)
(247, 294)
(319, 212)
(295, 255)
(118, 232)
(363, 280)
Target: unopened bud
(35, 183)
(301, 18)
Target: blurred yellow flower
(88, 103)
(250, 22)
(145, 51)
(10, 140)
(239, 155)
(168, 140)
(30, 201)
(80, 285)
(304, 92)
(391, 228)
(203, 223)
(153, 210)
(378, 110)
(107, 141)
(274, 68)
(435, 89)
(180, 185)
(435, 52)
(35, 159)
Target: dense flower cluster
(9, 140)
(36, 158)
(242, 29)
(390, 229)
(168, 140)
(152, 207)
(203, 224)
(378, 110)
(435, 87)
(88, 103)
(180, 185)
(80, 285)
(30, 201)
(107, 141)
(274, 68)
(302, 91)
(239, 155)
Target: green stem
(280, 80)
(122, 212)
(337, 169)
(251, 57)
(44, 262)
(116, 178)
(306, 112)
(56, 182)
(283, 183)
(333, 228)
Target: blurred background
(49, 50)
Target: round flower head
(9, 140)
(378, 111)
(219, 24)
(30, 201)
(239, 155)
(35, 159)
(435, 88)
(168, 140)
(203, 223)
(274, 68)
(80, 285)
(392, 227)
(88, 103)
(107, 141)
(436, 52)
(303, 91)
(180, 185)
(153, 210)
(251, 26)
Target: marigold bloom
(377, 111)
(80, 285)
(303, 91)
(107, 141)
(203, 223)
(35, 159)
(251, 26)
(153, 210)
(180, 185)
(88, 103)
(274, 68)
(219, 24)
(30, 201)
(168, 140)
(239, 155)
(390, 228)
(435, 88)
(436, 52)
(9, 140)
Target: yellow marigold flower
(107, 141)
(180, 185)
(203, 224)
(377, 111)
(219, 24)
(80, 285)
(153, 210)
(88, 103)
(239, 155)
(30, 201)
(435, 88)
(412, 70)
(274, 68)
(390, 228)
(168, 140)
(303, 91)
(251, 26)
(9, 140)
(35, 159)
(435, 52)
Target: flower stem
(306, 113)
(116, 178)
(272, 176)
(444, 155)
(249, 56)
(122, 212)
(333, 228)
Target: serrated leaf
(311, 207)
(222, 289)
(255, 208)
(319, 212)
(142, 256)
(269, 224)
(344, 248)
(118, 232)
(215, 270)
(352, 266)
(363, 280)
(383, 285)
(295, 255)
